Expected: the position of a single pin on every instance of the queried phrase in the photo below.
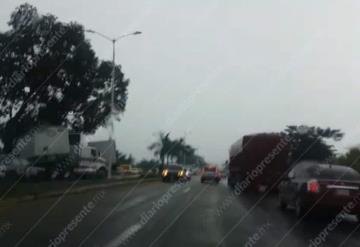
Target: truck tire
(101, 173)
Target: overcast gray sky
(218, 69)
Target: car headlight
(181, 173)
(164, 173)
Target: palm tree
(162, 147)
(169, 150)
(181, 150)
(177, 149)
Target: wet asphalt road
(158, 214)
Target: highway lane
(158, 214)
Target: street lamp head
(111, 39)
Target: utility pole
(112, 106)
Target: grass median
(27, 190)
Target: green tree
(308, 143)
(49, 74)
(122, 158)
(196, 160)
(351, 158)
(162, 147)
(174, 150)
(182, 152)
(149, 164)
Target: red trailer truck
(258, 161)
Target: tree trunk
(8, 137)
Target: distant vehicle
(63, 154)
(91, 164)
(210, 174)
(210, 168)
(270, 150)
(331, 187)
(135, 171)
(172, 173)
(123, 169)
(187, 176)
(126, 170)
(106, 148)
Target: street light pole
(113, 87)
(112, 107)
(111, 132)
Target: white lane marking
(125, 235)
(132, 203)
(186, 190)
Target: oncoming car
(322, 188)
(172, 173)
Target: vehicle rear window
(174, 168)
(335, 172)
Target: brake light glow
(313, 186)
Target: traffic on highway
(179, 123)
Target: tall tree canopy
(169, 150)
(49, 74)
(350, 158)
(162, 147)
(308, 143)
(122, 158)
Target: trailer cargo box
(47, 141)
(258, 161)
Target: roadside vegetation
(175, 150)
(350, 158)
(50, 74)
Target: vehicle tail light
(313, 186)
(164, 173)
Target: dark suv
(172, 173)
(311, 186)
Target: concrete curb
(81, 189)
